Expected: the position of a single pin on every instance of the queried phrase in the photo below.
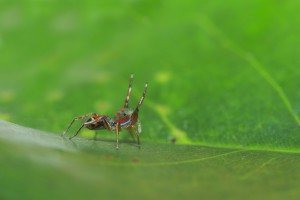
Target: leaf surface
(223, 85)
(39, 165)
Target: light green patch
(7, 96)
(102, 77)
(80, 74)
(10, 18)
(67, 22)
(54, 96)
(87, 133)
(106, 57)
(163, 77)
(5, 117)
(102, 106)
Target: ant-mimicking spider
(125, 118)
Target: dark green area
(223, 74)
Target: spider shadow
(122, 141)
(91, 145)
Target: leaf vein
(228, 44)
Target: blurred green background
(220, 73)
(63, 59)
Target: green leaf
(223, 86)
(39, 165)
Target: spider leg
(131, 133)
(117, 134)
(95, 135)
(135, 135)
(106, 125)
(134, 115)
(77, 132)
(135, 132)
(142, 98)
(128, 92)
(75, 119)
(138, 139)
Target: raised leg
(142, 98)
(128, 92)
(77, 132)
(75, 119)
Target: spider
(125, 118)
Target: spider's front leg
(75, 119)
(77, 132)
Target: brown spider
(125, 118)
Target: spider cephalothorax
(125, 118)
